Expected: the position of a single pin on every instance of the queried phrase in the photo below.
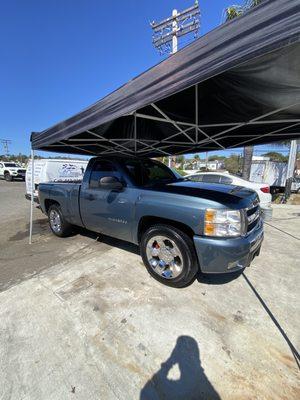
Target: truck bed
(64, 193)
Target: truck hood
(15, 169)
(224, 194)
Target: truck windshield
(149, 172)
(11, 165)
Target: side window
(196, 178)
(101, 168)
(134, 169)
(225, 179)
(211, 178)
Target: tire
(8, 177)
(57, 223)
(175, 247)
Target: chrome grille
(253, 215)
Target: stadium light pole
(166, 32)
(5, 143)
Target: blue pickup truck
(181, 227)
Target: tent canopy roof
(239, 84)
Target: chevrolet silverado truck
(181, 227)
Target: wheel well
(48, 203)
(148, 221)
(6, 172)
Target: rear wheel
(169, 256)
(57, 223)
(8, 177)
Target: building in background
(260, 158)
(212, 165)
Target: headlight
(223, 223)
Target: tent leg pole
(32, 194)
(196, 113)
(135, 134)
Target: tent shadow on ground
(207, 279)
(293, 349)
(218, 279)
(192, 383)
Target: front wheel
(169, 255)
(57, 223)
(8, 177)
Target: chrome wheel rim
(164, 257)
(55, 221)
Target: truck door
(104, 210)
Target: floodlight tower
(5, 143)
(166, 33)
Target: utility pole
(170, 29)
(5, 143)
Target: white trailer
(272, 172)
(46, 170)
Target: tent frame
(189, 132)
(183, 129)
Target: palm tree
(233, 12)
(247, 161)
(230, 13)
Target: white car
(10, 171)
(262, 189)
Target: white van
(46, 170)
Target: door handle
(90, 197)
(122, 201)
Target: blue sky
(58, 57)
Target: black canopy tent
(239, 84)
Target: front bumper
(217, 255)
(18, 176)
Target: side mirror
(110, 183)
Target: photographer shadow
(192, 383)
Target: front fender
(181, 209)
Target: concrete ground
(82, 319)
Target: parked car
(262, 189)
(52, 169)
(181, 226)
(11, 170)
